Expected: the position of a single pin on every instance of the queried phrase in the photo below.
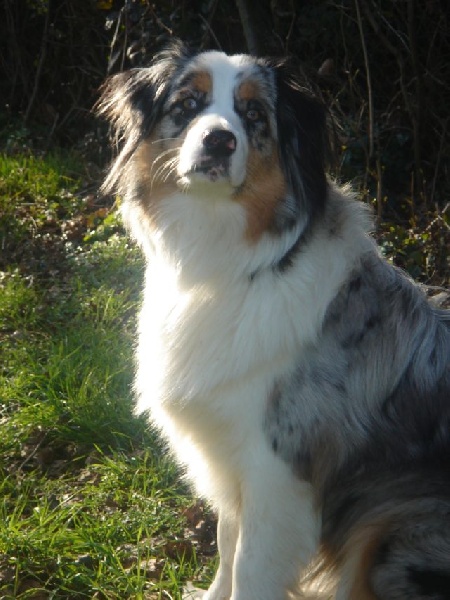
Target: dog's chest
(206, 339)
(210, 340)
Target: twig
(159, 21)
(379, 32)
(209, 29)
(379, 198)
(52, 129)
(115, 39)
(33, 453)
(40, 65)
(368, 79)
(249, 33)
(417, 110)
(438, 160)
(291, 27)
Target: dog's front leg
(278, 534)
(227, 536)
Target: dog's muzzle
(217, 147)
(214, 150)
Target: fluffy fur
(301, 380)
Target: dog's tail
(402, 555)
(387, 537)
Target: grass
(90, 505)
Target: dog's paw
(190, 592)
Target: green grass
(34, 193)
(95, 535)
(90, 505)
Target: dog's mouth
(213, 168)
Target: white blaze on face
(220, 114)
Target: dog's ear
(126, 99)
(302, 138)
(132, 102)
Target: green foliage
(36, 192)
(95, 536)
(407, 247)
(423, 251)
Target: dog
(300, 379)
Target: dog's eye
(253, 115)
(189, 104)
(185, 107)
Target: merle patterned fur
(366, 418)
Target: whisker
(169, 169)
(172, 169)
(163, 172)
(167, 139)
(162, 157)
(165, 162)
(158, 165)
(165, 152)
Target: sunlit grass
(90, 504)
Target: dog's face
(233, 128)
(221, 112)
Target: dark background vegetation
(383, 68)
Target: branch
(368, 79)
(417, 113)
(40, 65)
(249, 33)
(208, 28)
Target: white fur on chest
(210, 348)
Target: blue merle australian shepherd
(301, 381)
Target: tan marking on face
(248, 90)
(202, 82)
(156, 180)
(263, 189)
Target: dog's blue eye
(190, 104)
(185, 107)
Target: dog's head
(233, 128)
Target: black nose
(219, 142)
